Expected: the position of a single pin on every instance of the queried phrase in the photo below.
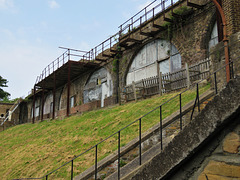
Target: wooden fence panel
(170, 81)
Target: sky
(31, 32)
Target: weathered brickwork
(4, 107)
(190, 35)
(217, 57)
(231, 10)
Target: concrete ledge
(217, 112)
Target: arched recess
(37, 107)
(156, 53)
(63, 96)
(48, 104)
(98, 87)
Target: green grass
(32, 150)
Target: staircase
(8, 118)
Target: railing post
(118, 154)
(134, 91)
(188, 75)
(110, 42)
(53, 68)
(180, 102)
(33, 106)
(68, 54)
(72, 170)
(161, 128)
(140, 141)
(46, 177)
(95, 52)
(120, 32)
(132, 23)
(145, 14)
(96, 162)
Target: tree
(3, 83)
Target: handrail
(144, 9)
(69, 54)
(91, 55)
(136, 21)
(108, 43)
(139, 119)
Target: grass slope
(32, 150)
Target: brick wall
(4, 107)
(232, 12)
(190, 36)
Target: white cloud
(5, 4)
(53, 4)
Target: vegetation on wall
(3, 94)
(116, 59)
(181, 11)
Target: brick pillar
(231, 10)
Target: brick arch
(157, 56)
(208, 31)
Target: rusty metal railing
(150, 11)
(69, 54)
(145, 15)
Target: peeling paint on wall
(214, 37)
(144, 64)
(98, 87)
(48, 104)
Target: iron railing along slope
(139, 121)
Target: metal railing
(78, 55)
(105, 45)
(150, 11)
(145, 14)
(69, 54)
(178, 98)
